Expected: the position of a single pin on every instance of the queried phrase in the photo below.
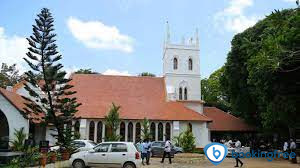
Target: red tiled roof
(17, 101)
(138, 97)
(223, 121)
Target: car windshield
(92, 142)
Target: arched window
(137, 132)
(190, 64)
(175, 63)
(152, 131)
(108, 132)
(92, 131)
(122, 131)
(99, 132)
(130, 132)
(190, 127)
(180, 93)
(185, 93)
(168, 131)
(77, 127)
(160, 132)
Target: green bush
(188, 141)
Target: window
(102, 148)
(77, 127)
(160, 132)
(137, 132)
(175, 63)
(180, 93)
(130, 132)
(99, 132)
(118, 147)
(91, 130)
(168, 131)
(122, 131)
(190, 127)
(190, 64)
(152, 131)
(185, 93)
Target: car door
(117, 155)
(98, 157)
(158, 148)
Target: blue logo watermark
(215, 152)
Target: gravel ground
(204, 163)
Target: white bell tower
(181, 68)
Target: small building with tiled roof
(172, 103)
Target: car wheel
(78, 164)
(129, 165)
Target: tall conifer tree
(51, 96)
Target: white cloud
(13, 50)
(116, 72)
(233, 17)
(95, 34)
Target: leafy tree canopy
(86, 71)
(9, 75)
(147, 74)
(212, 91)
(262, 71)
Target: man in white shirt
(293, 147)
(167, 151)
(238, 146)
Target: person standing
(148, 152)
(144, 151)
(293, 149)
(238, 146)
(167, 151)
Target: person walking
(144, 151)
(238, 146)
(167, 151)
(293, 149)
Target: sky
(125, 37)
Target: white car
(84, 145)
(108, 154)
(80, 145)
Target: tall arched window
(91, 131)
(160, 132)
(175, 63)
(180, 93)
(77, 127)
(99, 132)
(137, 132)
(130, 132)
(190, 64)
(190, 127)
(152, 131)
(122, 131)
(168, 131)
(185, 93)
(108, 132)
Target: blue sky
(126, 36)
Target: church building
(172, 103)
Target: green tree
(212, 91)
(262, 71)
(9, 75)
(112, 121)
(147, 74)
(57, 102)
(146, 129)
(86, 71)
(188, 141)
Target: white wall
(14, 117)
(200, 132)
(196, 106)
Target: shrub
(188, 141)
